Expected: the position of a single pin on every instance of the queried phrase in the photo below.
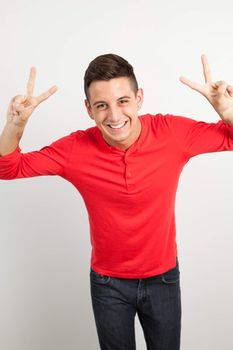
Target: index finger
(46, 94)
(206, 68)
(192, 84)
(31, 81)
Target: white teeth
(116, 126)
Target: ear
(140, 97)
(88, 107)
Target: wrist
(229, 122)
(14, 129)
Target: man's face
(114, 107)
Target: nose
(114, 114)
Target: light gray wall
(44, 233)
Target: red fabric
(129, 195)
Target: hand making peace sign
(219, 94)
(22, 106)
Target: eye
(101, 106)
(123, 101)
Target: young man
(127, 169)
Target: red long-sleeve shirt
(129, 195)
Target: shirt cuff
(12, 154)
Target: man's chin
(118, 136)
(117, 140)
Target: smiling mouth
(120, 126)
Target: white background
(45, 248)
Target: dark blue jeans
(156, 300)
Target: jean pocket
(98, 278)
(172, 276)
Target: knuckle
(17, 97)
(221, 82)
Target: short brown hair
(106, 67)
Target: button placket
(128, 173)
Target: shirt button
(129, 174)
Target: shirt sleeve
(49, 160)
(197, 137)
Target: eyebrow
(120, 98)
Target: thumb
(19, 107)
(221, 86)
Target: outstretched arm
(219, 94)
(18, 113)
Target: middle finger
(31, 81)
(206, 69)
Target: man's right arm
(9, 139)
(50, 160)
(18, 113)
